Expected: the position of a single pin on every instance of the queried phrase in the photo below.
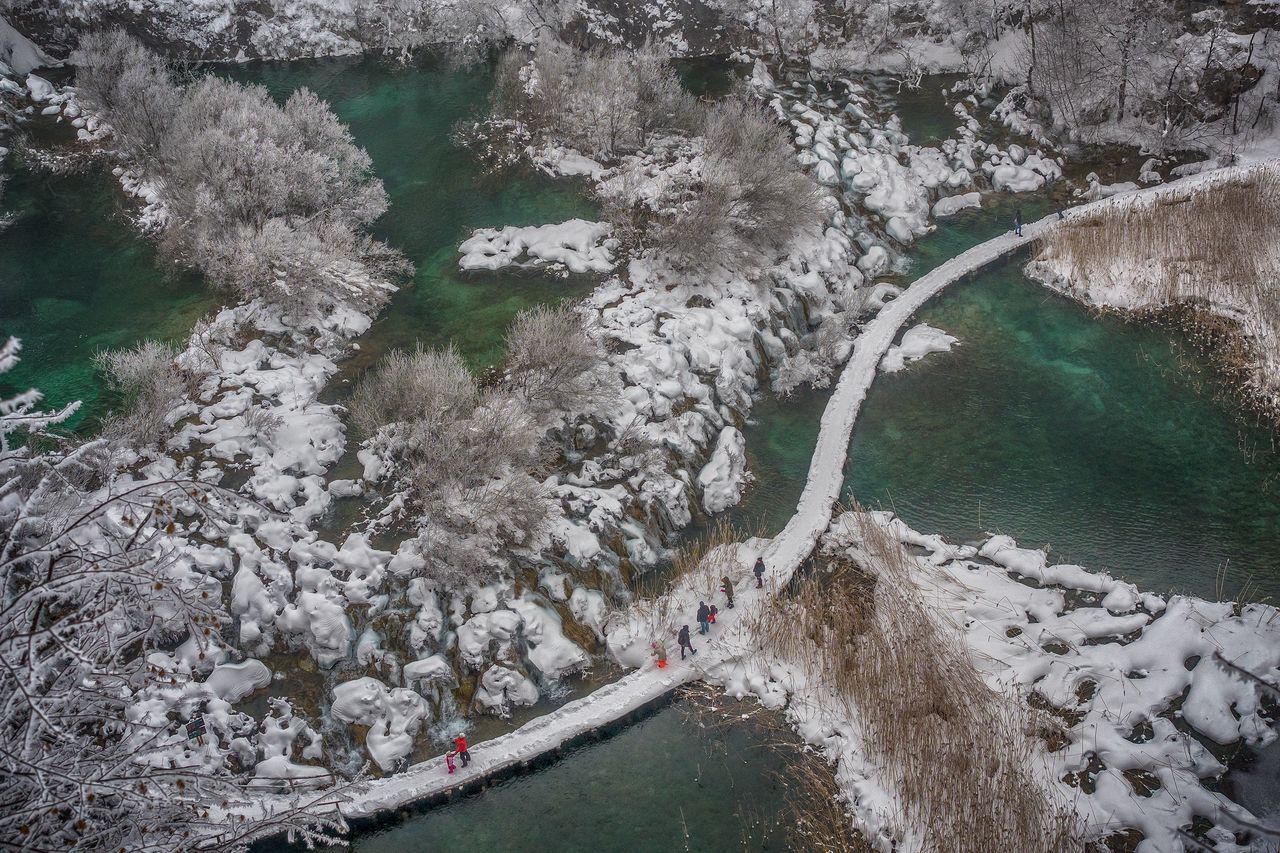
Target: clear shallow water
(76, 278)
(1075, 431)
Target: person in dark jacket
(461, 743)
(683, 639)
(1017, 223)
(727, 586)
(759, 571)
(704, 617)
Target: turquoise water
(403, 116)
(1075, 431)
(76, 278)
(661, 784)
(1101, 439)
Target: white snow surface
(576, 245)
(19, 53)
(722, 478)
(917, 342)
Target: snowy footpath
(547, 733)
(783, 555)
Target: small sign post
(196, 730)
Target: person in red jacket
(461, 743)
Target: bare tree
(554, 366)
(149, 384)
(428, 387)
(751, 201)
(91, 583)
(469, 462)
(118, 77)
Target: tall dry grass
(958, 756)
(1214, 249)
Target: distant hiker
(684, 641)
(461, 743)
(726, 586)
(704, 617)
(759, 570)
(660, 652)
(1060, 216)
(1017, 223)
(714, 613)
(449, 762)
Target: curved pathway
(783, 555)
(793, 545)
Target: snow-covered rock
(576, 245)
(917, 342)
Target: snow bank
(576, 245)
(951, 205)
(392, 716)
(19, 53)
(722, 478)
(918, 342)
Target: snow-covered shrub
(149, 384)
(425, 387)
(265, 199)
(750, 200)
(467, 460)
(118, 77)
(267, 195)
(554, 366)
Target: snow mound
(918, 342)
(951, 205)
(19, 52)
(577, 245)
(723, 477)
(234, 681)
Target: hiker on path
(461, 743)
(726, 586)
(1017, 222)
(684, 641)
(704, 618)
(449, 762)
(714, 613)
(759, 571)
(660, 652)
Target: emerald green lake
(402, 115)
(76, 278)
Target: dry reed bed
(1213, 248)
(959, 758)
